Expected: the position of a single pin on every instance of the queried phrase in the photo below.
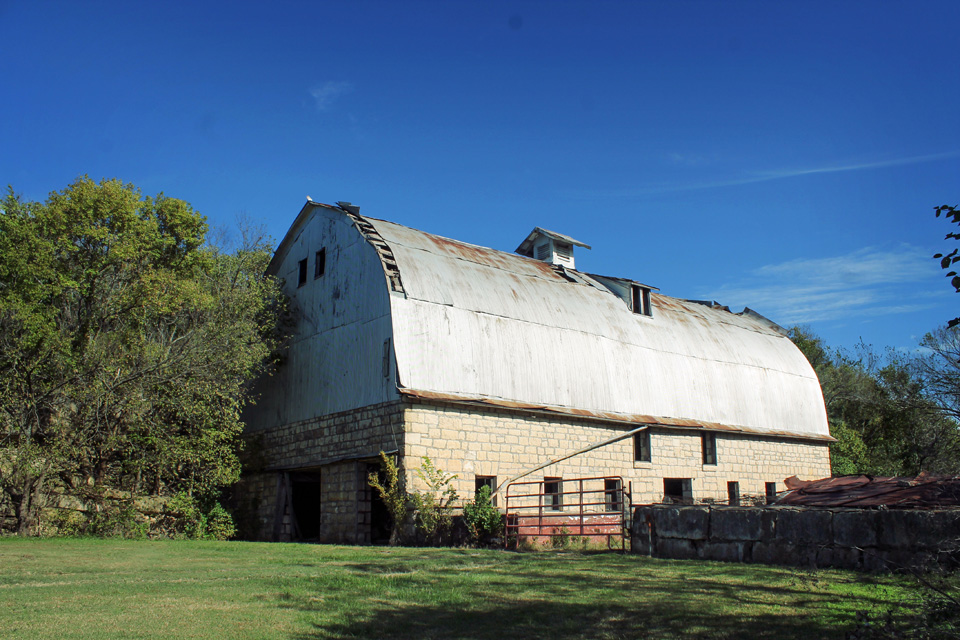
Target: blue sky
(785, 156)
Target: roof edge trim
(606, 416)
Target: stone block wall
(871, 540)
(337, 447)
(503, 443)
(361, 432)
(479, 441)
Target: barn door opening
(380, 521)
(305, 500)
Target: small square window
(302, 273)
(553, 493)
(613, 494)
(320, 263)
(708, 445)
(771, 491)
(733, 494)
(640, 300)
(641, 447)
(486, 481)
(678, 490)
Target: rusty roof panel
(921, 492)
(483, 323)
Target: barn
(504, 366)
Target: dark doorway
(305, 499)
(381, 524)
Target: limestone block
(736, 523)
(838, 557)
(681, 522)
(856, 527)
(676, 548)
(929, 530)
(784, 553)
(804, 526)
(726, 551)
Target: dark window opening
(771, 490)
(613, 494)
(320, 263)
(640, 300)
(678, 490)
(553, 493)
(487, 481)
(302, 275)
(733, 494)
(386, 358)
(708, 442)
(641, 447)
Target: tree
(126, 345)
(947, 261)
(883, 412)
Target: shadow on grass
(564, 622)
(550, 601)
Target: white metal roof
(483, 325)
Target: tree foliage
(126, 342)
(947, 261)
(886, 415)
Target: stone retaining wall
(865, 539)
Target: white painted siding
(335, 360)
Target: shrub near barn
(126, 340)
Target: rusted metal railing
(597, 508)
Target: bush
(118, 521)
(433, 508)
(185, 518)
(484, 522)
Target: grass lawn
(92, 588)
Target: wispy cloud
(753, 177)
(327, 93)
(858, 166)
(866, 283)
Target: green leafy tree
(882, 412)
(126, 342)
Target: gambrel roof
(472, 324)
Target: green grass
(163, 589)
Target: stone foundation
(864, 539)
(478, 441)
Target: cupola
(550, 247)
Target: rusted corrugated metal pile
(921, 492)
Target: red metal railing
(595, 509)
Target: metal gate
(596, 509)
